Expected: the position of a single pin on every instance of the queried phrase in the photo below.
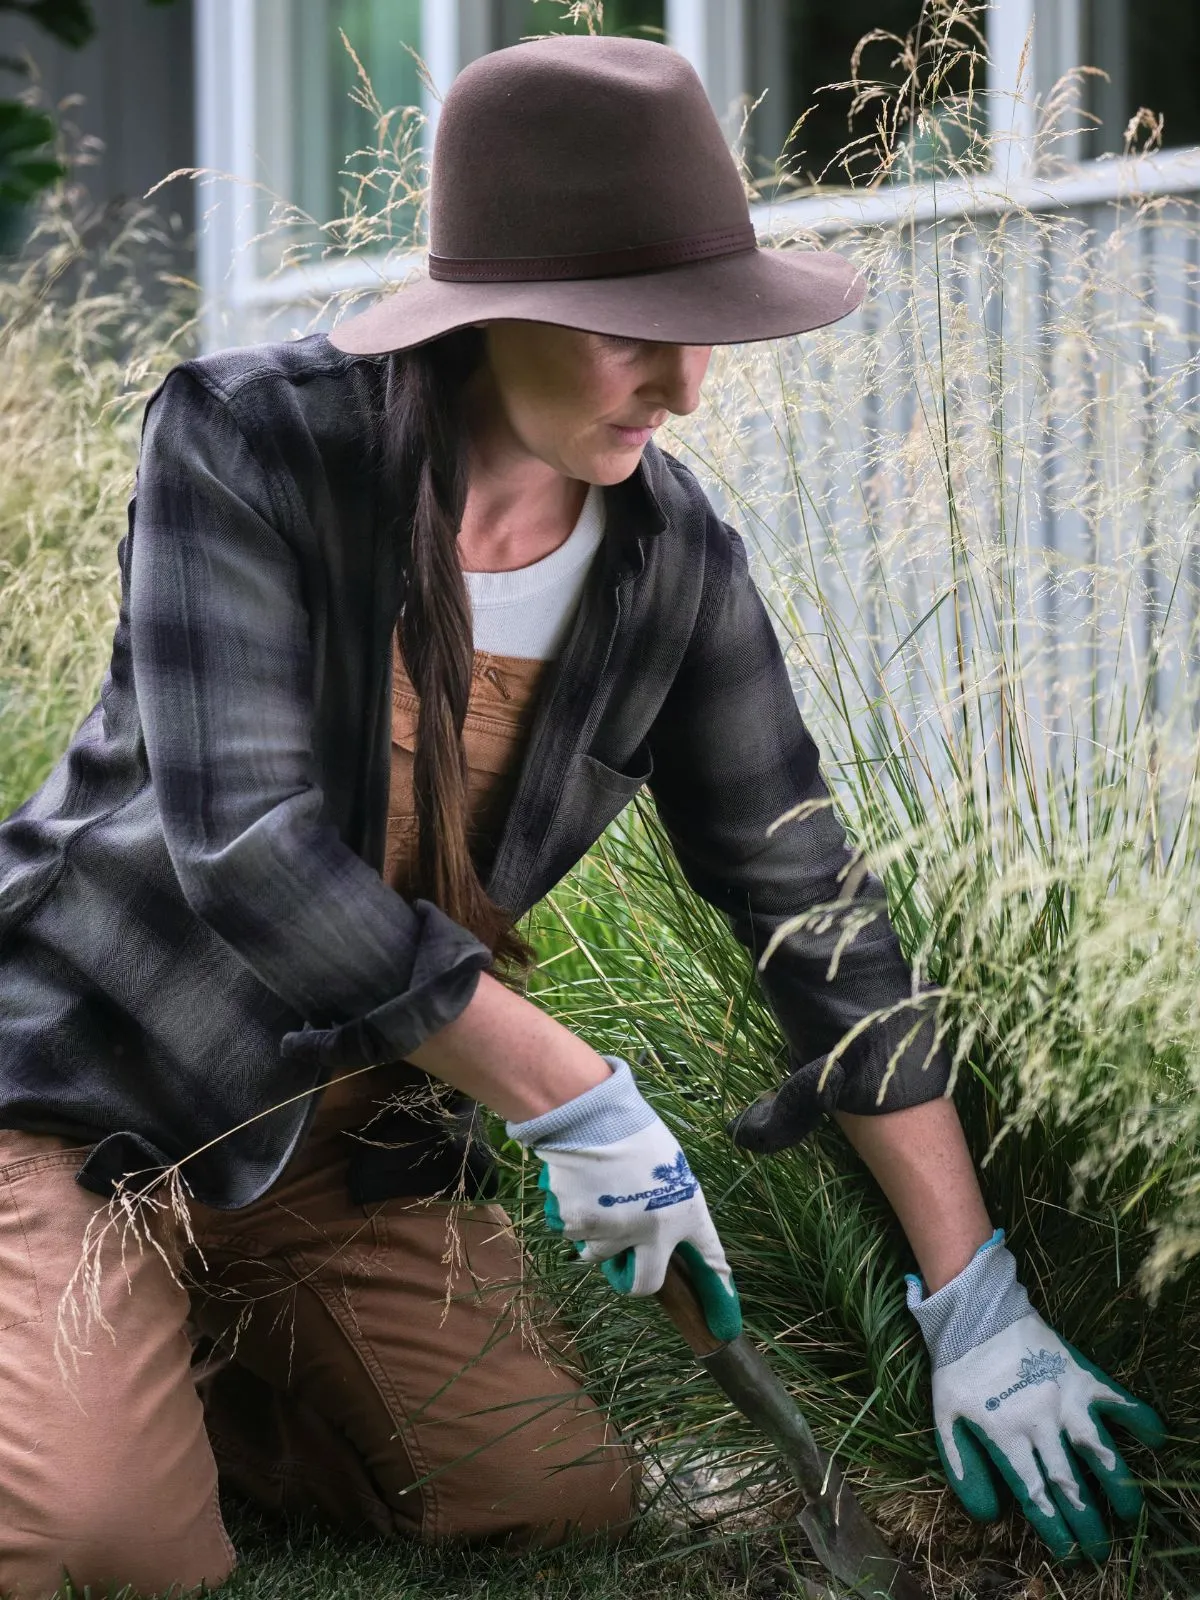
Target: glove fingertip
(1083, 1519)
(1050, 1526)
(1117, 1481)
(1121, 1406)
(1142, 1421)
(975, 1489)
(1091, 1536)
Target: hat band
(594, 263)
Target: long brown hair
(425, 459)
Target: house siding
(136, 83)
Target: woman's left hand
(1009, 1392)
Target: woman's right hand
(616, 1181)
(619, 1186)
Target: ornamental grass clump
(82, 343)
(971, 510)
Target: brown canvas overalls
(387, 1371)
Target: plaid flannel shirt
(193, 923)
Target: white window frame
(234, 295)
(1025, 60)
(1030, 46)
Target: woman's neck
(518, 509)
(512, 521)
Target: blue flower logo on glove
(1045, 1367)
(676, 1182)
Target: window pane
(329, 125)
(518, 19)
(1150, 50)
(309, 126)
(795, 48)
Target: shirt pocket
(613, 784)
(20, 1301)
(593, 796)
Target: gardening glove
(618, 1185)
(1008, 1390)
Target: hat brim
(758, 294)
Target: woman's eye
(620, 342)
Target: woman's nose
(678, 375)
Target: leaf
(27, 165)
(20, 183)
(23, 129)
(70, 21)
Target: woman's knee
(112, 1557)
(580, 1482)
(105, 1534)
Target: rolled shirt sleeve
(222, 667)
(732, 756)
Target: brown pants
(384, 1375)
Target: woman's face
(585, 404)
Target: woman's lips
(632, 436)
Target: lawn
(309, 1563)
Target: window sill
(1089, 183)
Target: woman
(327, 773)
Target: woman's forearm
(920, 1160)
(507, 1053)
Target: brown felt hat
(586, 182)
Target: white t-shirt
(528, 612)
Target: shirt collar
(633, 507)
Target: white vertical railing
(1010, 42)
(712, 35)
(226, 101)
(687, 31)
(441, 55)
(1059, 46)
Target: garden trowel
(843, 1538)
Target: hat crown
(566, 147)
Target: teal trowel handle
(681, 1303)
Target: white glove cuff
(602, 1115)
(983, 1300)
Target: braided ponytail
(426, 453)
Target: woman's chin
(614, 466)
